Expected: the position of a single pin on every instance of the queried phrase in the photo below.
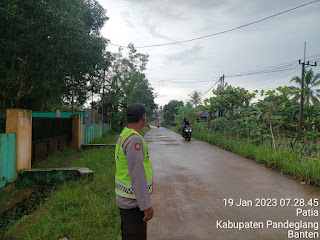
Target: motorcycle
(158, 125)
(186, 133)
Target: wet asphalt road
(191, 179)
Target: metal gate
(49, 135)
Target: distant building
(203, 115)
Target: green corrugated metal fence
(90, 132)
(7, 158)
(68, 114)
(44, 114)
(63, 115)
(105, 127)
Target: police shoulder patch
(137, 146)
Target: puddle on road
(169, 144)
(163, 141)
(160, 138)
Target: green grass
(144, 130)
(107, 138)
(81, 210)
(287, 163)
(77, 209)
(8, 192)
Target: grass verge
(78, 209)
(287, 163)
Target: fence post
(20, 122)
(96, 116)
(58, 113)
(100, 129)
(109, 126)
(77, 131)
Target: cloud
(153, 29)
(274, 41)
(186, 56)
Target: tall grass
(78, 210)
(288, 163)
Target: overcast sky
(271, 43)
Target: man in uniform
(133, 177)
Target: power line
(263, 79)
(230, 76)
(259, 72)
(274, 78)
(211, 87)
(265, 70)
(163, 81)
(222, 32)
(279, 78)
(282, 76)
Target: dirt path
(191, 179)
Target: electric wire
(270, 69)
(268, 77)
(222, 32)
(162, 81)
(211, 87)
(274, 78)
(279, 78)
(263, 78)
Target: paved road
(191, 179)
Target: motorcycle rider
(184, 124)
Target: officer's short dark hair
(134, 112)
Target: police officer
(133, 177)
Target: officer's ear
(144, 117)
(141, 119)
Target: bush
(289, 163)
(219, 124)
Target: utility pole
(102, 99)
(72, 95)
(222, 80)
(221, 87)
(304, 64)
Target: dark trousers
(132, 225)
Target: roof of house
(202, 114)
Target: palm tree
(195, 98)
(311, 82)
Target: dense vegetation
(270, 125)
(127, 84)
(52, 54)
(49, 48)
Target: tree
(170, 110)
(43, 45)
(187, 112)
(228, 99)
(311, 86)
(195, 98)
(127, 84)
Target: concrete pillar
(77, 131)
(100, 129)
(20, 122)
(58, 113)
